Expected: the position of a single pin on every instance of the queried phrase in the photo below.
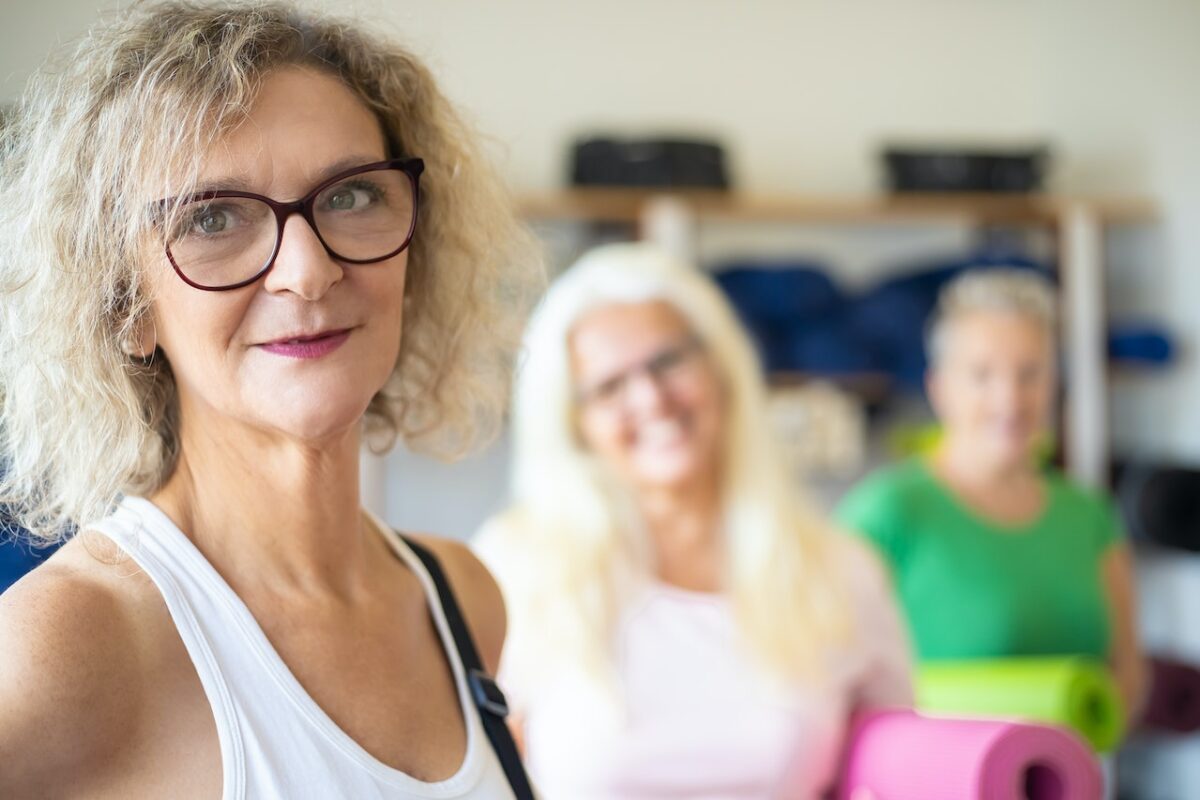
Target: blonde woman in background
(188, 382)
(993, 555)
(682, 625)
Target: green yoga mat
(1077, 693)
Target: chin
(329, 421)
(666, 472)
(1010, 454)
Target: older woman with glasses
(994, 555)
(681, 624)
(238, 242)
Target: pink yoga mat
(900, 755)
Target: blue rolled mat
(829, 346)
(1141, 344)
(776, 293)
(890, 322)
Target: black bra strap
(493, 709)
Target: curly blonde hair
(125, 119)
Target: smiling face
(301, 351)
(993, 385)
(650, 401)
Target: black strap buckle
(487, 694)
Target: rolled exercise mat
(899, 755)
(1174, 701)
(1072, 691)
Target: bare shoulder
(67, 667)
(859, 562)
(477, 593)
(865, 577)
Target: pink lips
(308, 347)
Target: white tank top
(275, 740)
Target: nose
(1009, 397)
(644, 392)
(302, 265)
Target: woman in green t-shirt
(993, 556)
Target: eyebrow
(682, 346)
(240, 183)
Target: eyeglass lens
(225, 240)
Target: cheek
(396, 279)
(1038, 400)
(380, 301)
(601, 435)
(390, 293)
(195, 332)
(966, 400)
(708, 406)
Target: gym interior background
(803, 97)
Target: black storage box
(950, 169)
(661, 163)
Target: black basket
(965, 170)
(660, 163)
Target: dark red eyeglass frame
(412, 167)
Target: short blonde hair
(567, 549)
(1005, 290)
(125, 119)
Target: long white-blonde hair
(124, 119)
(570, 548)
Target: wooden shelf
(627, 206)
(1078, 223)
(870, 387)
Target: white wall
(803, 91)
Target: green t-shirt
(975, 589)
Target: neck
(960, 461)
(682, 519)
(271, 513)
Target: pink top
(696, 716)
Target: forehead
(301, 122)
(612, 335)
(999, 334)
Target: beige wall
(803, 91)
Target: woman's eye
(610, 388)
(212, 221)
(348, 198)
(666, 362)
(1030, 374)
(207, 220)
(605, 391)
